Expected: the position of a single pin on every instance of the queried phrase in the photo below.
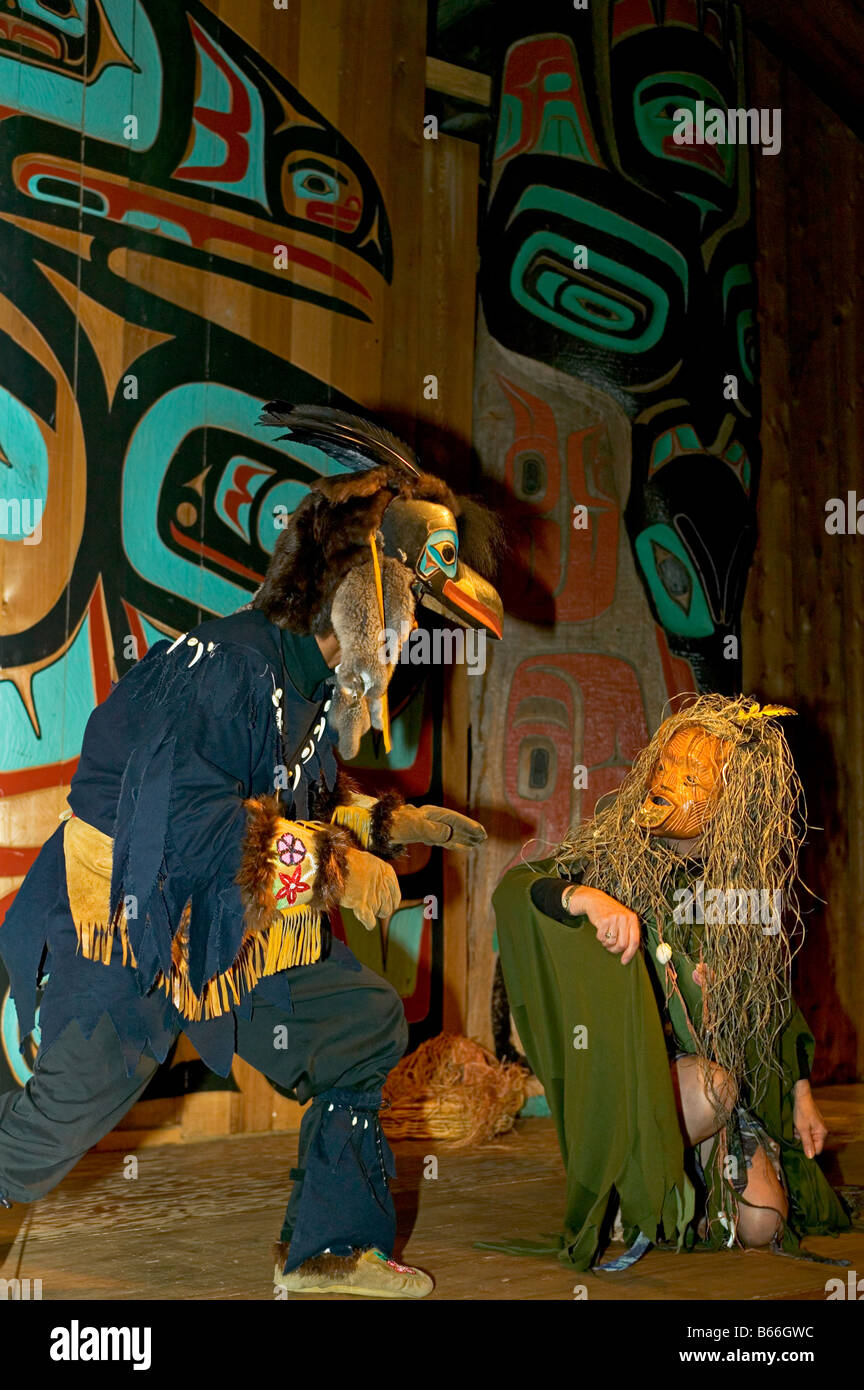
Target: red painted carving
(600, 691)
(529, 64)
(578, 566)
(631, 16)
(230, 126)
(121, 198)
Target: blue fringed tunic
(167, 761)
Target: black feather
(358, 444)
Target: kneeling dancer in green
(687, 877)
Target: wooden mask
(682, 784)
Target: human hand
(809, 1126)
(435, 825)
(371, 888)
(617, 928)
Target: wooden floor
(198, 1220)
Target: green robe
(814, 1207)
(592, 1032)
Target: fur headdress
(364, 546)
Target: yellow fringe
(293, 939)
(357, 819)
(96, 941)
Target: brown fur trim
(343, 487)
(255, 875)
(346, 787)
(428, 488)
(327, 536)
(318, 1264)
(382, 821)
(325, 802)
(322, 803)
(331, 844)
(291, 593)
(329, 1264)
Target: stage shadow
(406, 1193)
(816, 967)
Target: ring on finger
(609, 936)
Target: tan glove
(371, 888)
(435, 825)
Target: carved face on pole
(683, 783)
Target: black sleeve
(546, 897)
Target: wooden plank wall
(803, 633)
(445, 313)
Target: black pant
(343, 1033)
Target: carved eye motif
(440, 553)
(315, 183)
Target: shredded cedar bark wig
(755, 826)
